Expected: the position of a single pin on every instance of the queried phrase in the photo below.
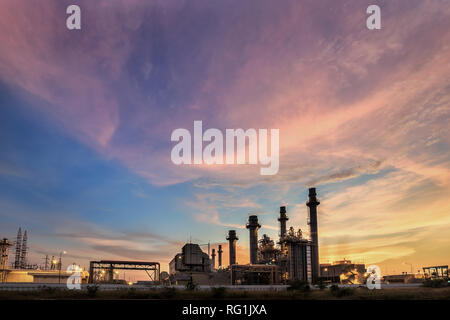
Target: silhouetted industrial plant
(292, 257)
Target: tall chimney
(232, 245)
(312, 205)
(283, 218)
(18, 249)
(213, 259)
(220, 256)
(253, 227)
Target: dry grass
(326, 294)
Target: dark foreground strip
(235, 309)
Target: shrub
(168, 293)
(435, 283)
(190, 285)
(321, 285)
(340, 292)
(92, 290)
(299, 285)
(49, 290)
(218, 293)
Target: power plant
(292, 257)
(295, 257)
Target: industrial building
(105, 271)
(292, 257)
(436, 272)
(343, 271)
(192, 264)
(191, 259)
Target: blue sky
(86, 118)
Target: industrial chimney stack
(220, 256)
(312, 205)
(232, 245)
(253, 227)
(213, 259)
(283, 218)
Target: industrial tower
(18, 249)
(4, 255)
(312, 221)
(253, 227)
(220, 256)
(232, 245)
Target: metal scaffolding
(103, 271)
(4, 256)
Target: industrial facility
(292, 257)
(21, 270)
(343, 271)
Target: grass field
(420, 293)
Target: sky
(86, 118)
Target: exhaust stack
(283, 218)
(232, 245)
(312, 205)
(220, 256)
(213, 259)
(253, 227)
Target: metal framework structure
(105, 269)
(253, 274)
(18, 249)
(4, 256)
(436, 272)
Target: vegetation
(297, 292)
(320, 284)
(299, 285)
(436, 283)
(190, 285)
(92, 290)
(218, 293)
(341, 292)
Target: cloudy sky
(86, 118)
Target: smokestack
(23, 257)
(213, 259)
(18, 249)
(283, 218)
(253, 227)
(220, 256)
(312, 205)
(232, 245)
